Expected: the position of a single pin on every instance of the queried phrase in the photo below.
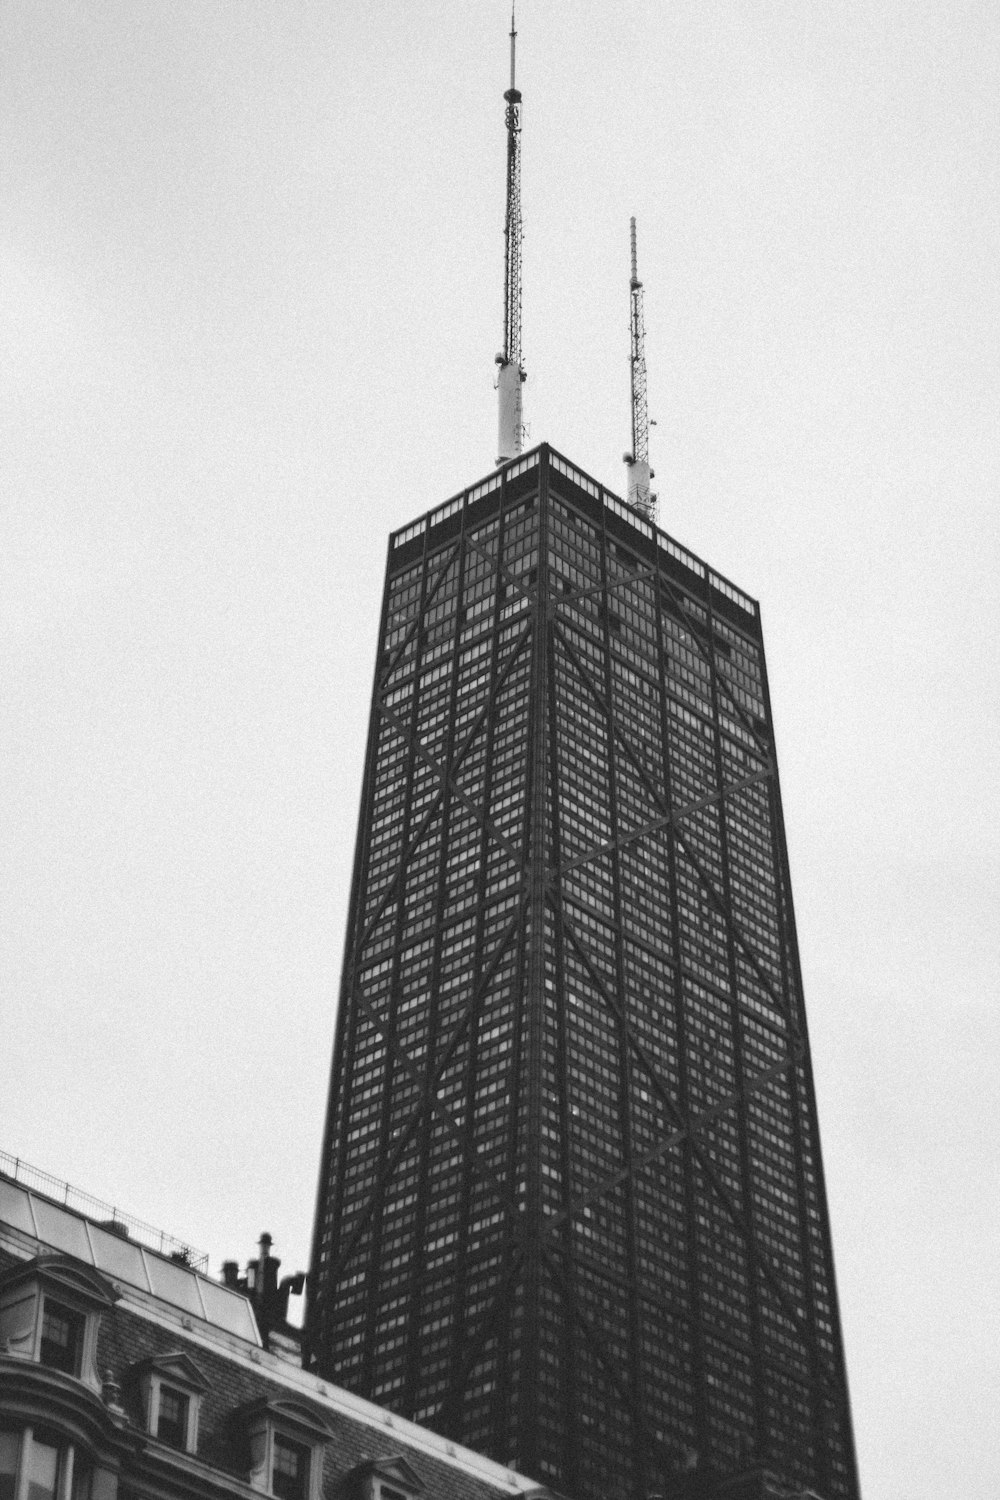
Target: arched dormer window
(287, 1439)
(50, 1309)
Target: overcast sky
(251, 291)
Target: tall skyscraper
(571, 1208)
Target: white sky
(250, 295)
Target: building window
(50, 1310)
(172, 1417)
(286, 1444)
(61, 1344)
(10, 1448)
(289, 1469)
(389, 1478)
(35, 1466)
(42, 1467)
(172, 1389)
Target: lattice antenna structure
(639, 494)
(511, 374)
(637, 360)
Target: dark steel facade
(571, 1208)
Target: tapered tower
(571, 1206)
(571, 1209)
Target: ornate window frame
(388, 1478)
(178, 1373)
(297, 1422)
(54, 1282)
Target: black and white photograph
(500, 854)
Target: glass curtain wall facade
(571, 1209)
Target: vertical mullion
(633, 1374)
(532, 988)
(665, 602)
(739, 1116)
(559, 732)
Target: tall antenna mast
(639, 495)
(511, 374)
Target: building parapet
(598, 492)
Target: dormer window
(290, 1469)
(62, 1338)
(50, 1309)
(172, 1387)
(172, 1417)
(50, 1313)
(389, 1478)
(287, 1439)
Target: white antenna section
(639, 495)
(511, 376)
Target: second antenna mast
(639, 496)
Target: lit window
(42, 1470)
(34, 1466)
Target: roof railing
(105, 1214)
